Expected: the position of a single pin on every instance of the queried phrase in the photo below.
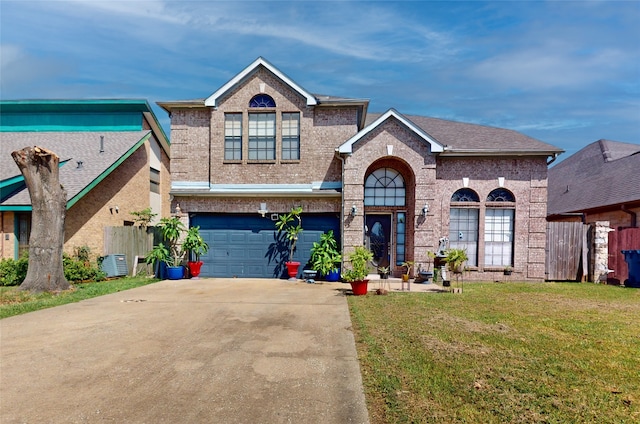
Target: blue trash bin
(632, 258)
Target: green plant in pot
(291, 225)
(455, 260)
(384, 272)
(326, 257)
(408, 265)
(356, 275)
(170, 251)
(195, 245)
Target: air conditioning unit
(115, 265)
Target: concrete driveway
(187, 351)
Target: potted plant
(357, 274)
(425, 275)
(325, 256)
(384, 271)
(455, 260)
(171, 230)
(507, 270)
(408, 265)
(195, 245)
(291, 225)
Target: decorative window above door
(384, 187)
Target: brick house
(261, 144)
(114, 159)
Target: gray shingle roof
(72, 146)
(465, 137)
(604, 173)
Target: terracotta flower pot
(359, 288)
(292, 269)
(194, 268)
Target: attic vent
(101, 144)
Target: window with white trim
(499, 228)
(262, 136)
(464, 223)
(233, 136)
(384, 187)
(290, 136)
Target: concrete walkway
(187, 351)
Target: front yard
(497, 353)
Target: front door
(378, 233)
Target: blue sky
(564, 72)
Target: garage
(249, 246)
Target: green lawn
(16, 302)
(501, 353)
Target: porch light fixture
(354, 210)
(263, 209)
(425, 209)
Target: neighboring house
(114, 159)
(262, 144)
(600, 184)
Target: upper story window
(233, 136)
(262, 136)
(262, 100)
(384, 187)
(290, 136)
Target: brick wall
(435, 182)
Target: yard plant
(501, 353)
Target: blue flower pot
(175, 272)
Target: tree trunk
(39, 167)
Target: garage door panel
(248, 245)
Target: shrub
(78, 269)
(12, 272)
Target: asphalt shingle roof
(73, 146)
(460, 136)
(604, 173)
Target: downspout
(634, 216)
(342, 159)
(2, 234)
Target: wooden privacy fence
(567, 251)
(619, 240)
(131, 242)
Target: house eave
(203, 189)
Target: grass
(16, 302)
(517, 353)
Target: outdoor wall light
(114, 208)
(354, 210)
(425, 209)
(263, 209)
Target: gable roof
(82, 164)
(347, 146)
(247, 72)
(602, 174)
(464, 139)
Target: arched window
(262, 100)
(384, 187)
(501, 195)
(465, 195)
(499, 229)
(463, 223)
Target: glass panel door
(378, 236)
